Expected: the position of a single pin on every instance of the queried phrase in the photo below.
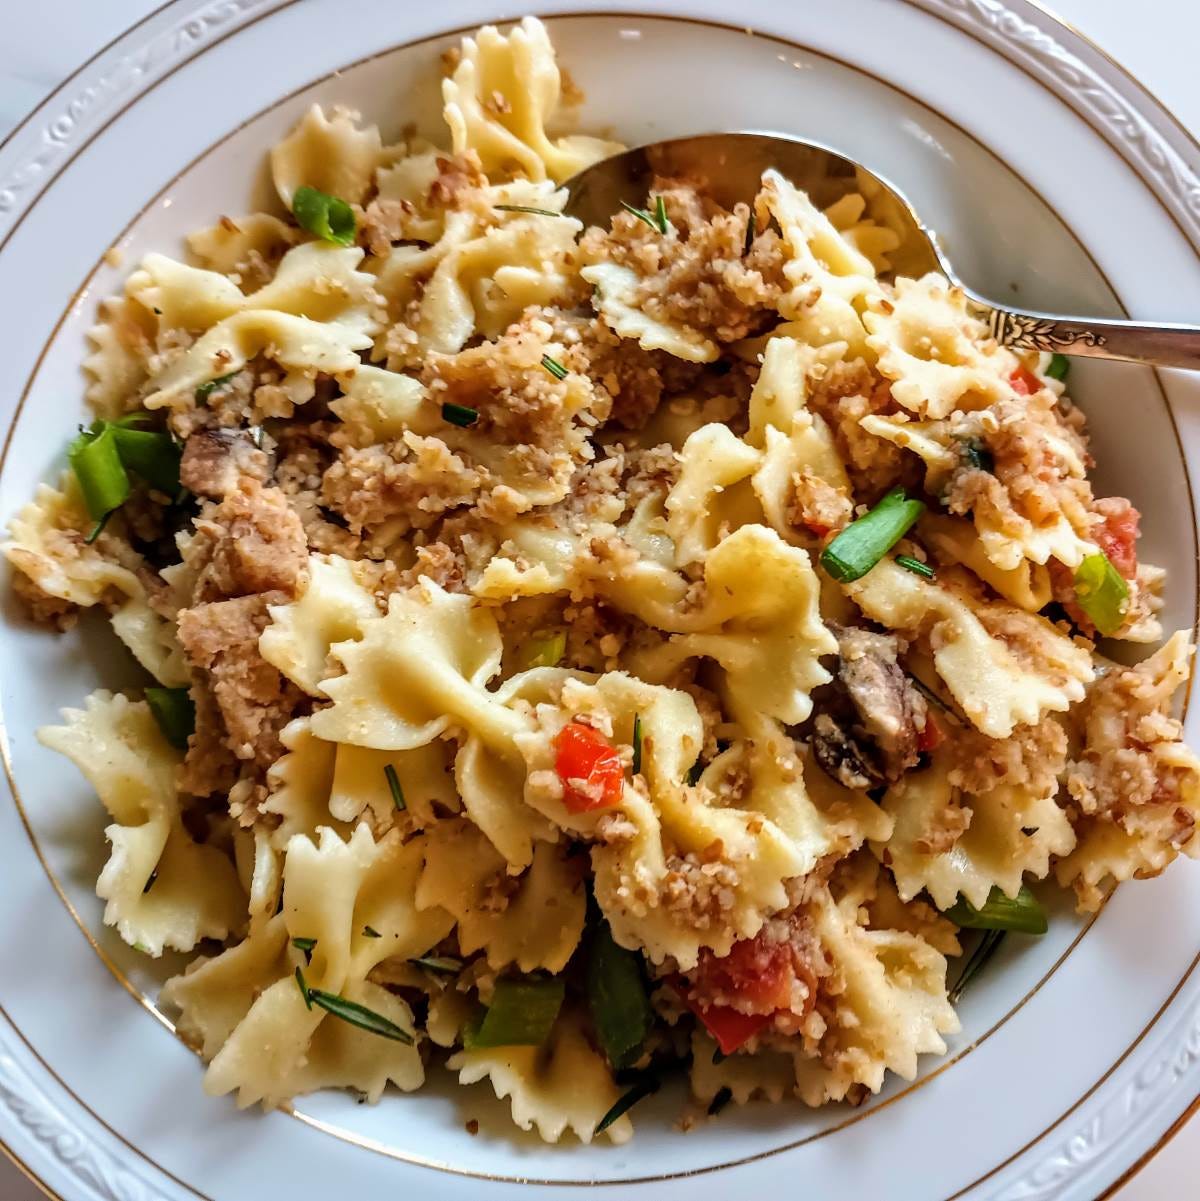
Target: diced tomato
(1024, 382)
(590, 768)
(1118, 536)
(729, 1027)
(930, 736)
(756, 971)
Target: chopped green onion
(751, 230)
(174, 712)
(445, 964)
(915, 566)
(526, 208)
(151, 882)
(307, 945)
(547, 650)
(1102, 593)
(205, 390)
(695, 772)
(98, 468)
(555, 368)
(303, 988)
(645, 1087)
(394, 784)
(154, 456)
(97, 529)
(979, 457)
(1021, 913)
(723, 1096)
(459, 415)
(617, 997)
(636, 765)
(358, 1015)
(141, 946)
(521, 1014)
(329, 217)
(988, 946)
(1059, 366)
(864, 542)
(371, 932)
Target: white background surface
(1154, 39)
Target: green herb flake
(459, 415)
(1058, 368)
(96, 530)
(526, 208)
(304, 989)
(151, 882)
(977, 456)
(555, 368)
(988, 946)
(205, 390)
(658, 220)
(722, 1098)
(636, 764)
(371, 932)
(394, 785)
(306, 946)
(647, 1086)
(358, 1015)
(695, 772)
(915, 566)
(327, 217)
(447, 965)
(751, 232)
(865, 541)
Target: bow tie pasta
(576, 655)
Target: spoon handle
(1093, 337)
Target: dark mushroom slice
(214, 460)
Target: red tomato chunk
(1024, 382)
(589, 767)
(1118, 536)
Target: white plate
(1077, 1052)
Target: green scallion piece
(546, 650)
(97, 464)
(305, 945)
(864, 542)
(154, 456)
(1021, 913)
(521, 1014)
(1102, 593)
(988, 946)
(722, 1098)
(459, 415)
(371, 932)
(526, 208)
(358, 1015)
(205, 390)
(616, 991)
(304, 992)
(328, 217)
(915, 566)
(1059, 366)
(174, 712)
(647, 1086)
(636, 764)
(447, 965)
(979, 457)
(394, 784)
(555, 368)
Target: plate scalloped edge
(93, 96)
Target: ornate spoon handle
(1094, 337)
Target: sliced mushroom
(214, 460)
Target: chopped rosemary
(358, 1015)
(645, 1087)
(657, 220)
(371, 932)
(695, 772)
(979, 457)
(526, 208)
(394, 784)
(987, 947)
(555, 368)
(445, 964)
(459, 415)
(915, 566)
(722, 1098)
(751, 231)
(303, 988)
(151, 882)
(204, 391)
(306, 945)
(637, 744)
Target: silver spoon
(732, 164)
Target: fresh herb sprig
(658, 220)
(352, 1012)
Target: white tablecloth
(1155, 39)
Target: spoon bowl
(728, 167)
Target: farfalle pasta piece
(299, 784)
(234, 243)
(534, 920)
(563, 1085)
(938, 357)
(416, 671)
(673, 873)
(121, 341)
(1004, 667)
(503, 93)
(332, 608)
(361, 782)
(1133, 784)
(163, 890)
(954, 540)
(333, 155)
(767, 1074)
(891, 1009)
(379, 406)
